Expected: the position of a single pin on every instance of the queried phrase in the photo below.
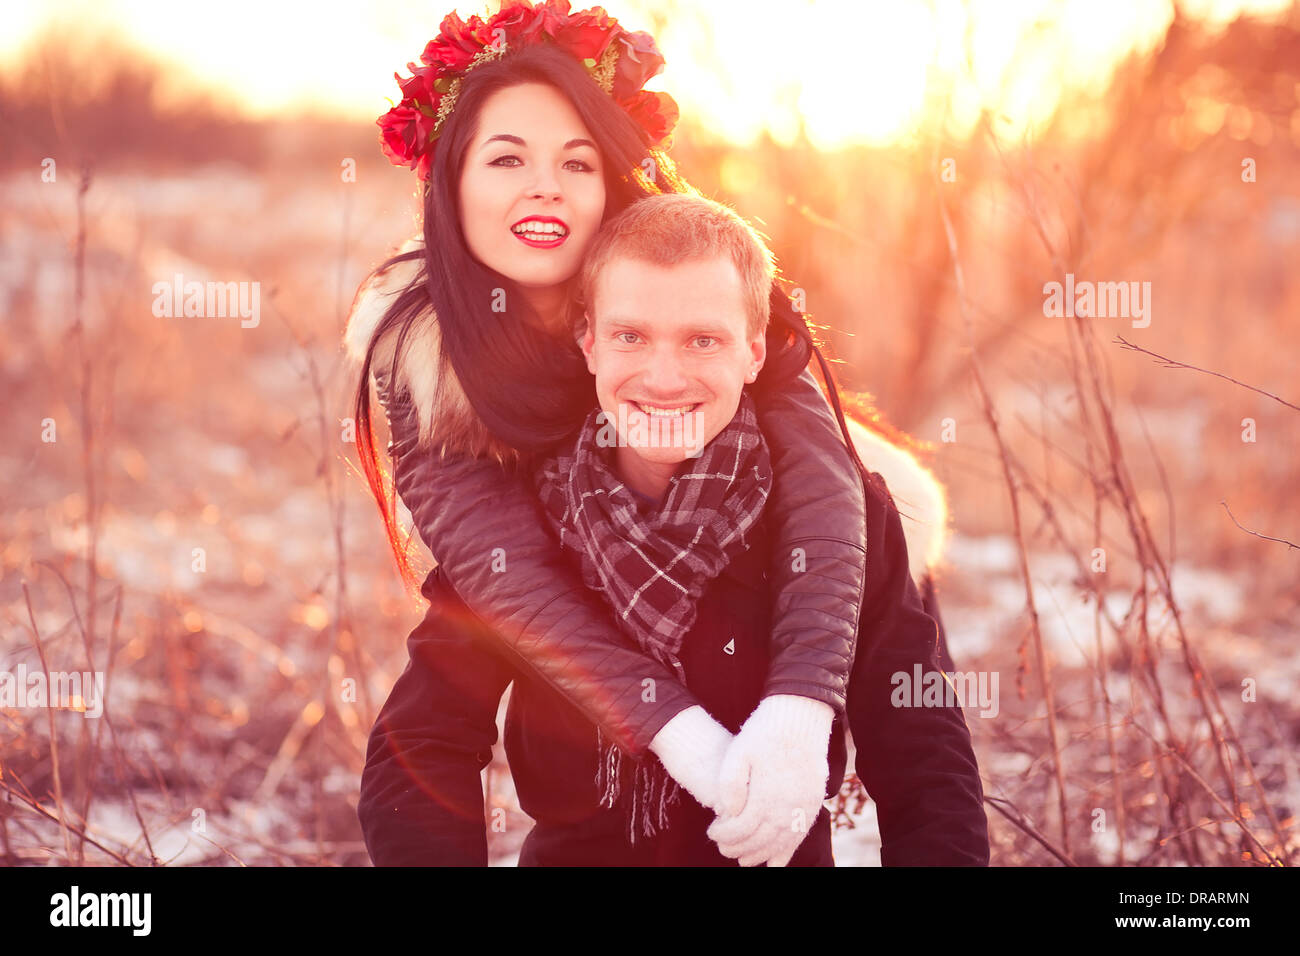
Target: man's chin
(667, 455)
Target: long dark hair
(528, 390)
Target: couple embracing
(690, 624)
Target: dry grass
(240, 696)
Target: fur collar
(424, 372)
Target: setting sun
(839, 71)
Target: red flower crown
(620, 61)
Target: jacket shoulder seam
(825, 537)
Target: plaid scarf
(653, 567)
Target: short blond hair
(671, 228)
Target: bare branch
(1172, 363)
(1256, 533)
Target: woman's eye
(573, 165)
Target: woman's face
(532, 191)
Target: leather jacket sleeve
(817, 515)
(528, 593)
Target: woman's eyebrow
(518, 141)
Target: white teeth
(664, 412)
(542, 228)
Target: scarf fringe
(643, 783)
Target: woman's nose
(545, 187)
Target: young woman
(527, 130)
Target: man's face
(670, 350)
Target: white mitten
(773, 780)
(691, 747)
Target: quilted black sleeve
(817, 515)
(546, 618)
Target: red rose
(519, 22)
(398, 135)
(553, 13)
(639, 60)
(656, 113)
(586, 34)
(417, 89)
(456, 43)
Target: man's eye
(627, 338)
(705, 341)
(507, 161)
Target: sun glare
(835, 71)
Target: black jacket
(464, 508)
(421, 794)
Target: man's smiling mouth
(660, 411)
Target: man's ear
(758, 355)
(589, 342)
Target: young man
(661, 501)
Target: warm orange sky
(851, 70)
